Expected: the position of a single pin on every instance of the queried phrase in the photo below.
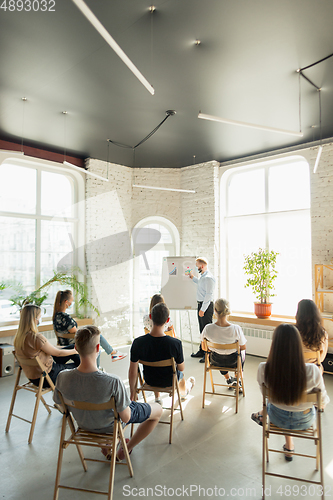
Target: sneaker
(232, 382)
(158, 401)
(199, 354)
(118, 355)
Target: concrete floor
(214, 453)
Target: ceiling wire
(169, 113)
(24, 100)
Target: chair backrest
(160, 364)
(208, 346)
(313, 397)
(63, 335)
(84, 405)
(309, 356)
(34, 362)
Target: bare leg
(144, 429)
(289, 443)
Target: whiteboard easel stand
(189, 322)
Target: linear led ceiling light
(84, 171)
(250, 125)
(320, 149)
(113, 44)
(164, 188)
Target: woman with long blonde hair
(287, 377)
(29, 343)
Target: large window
(38, 224)
(268, 206)
(147, 281)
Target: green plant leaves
(260, 267)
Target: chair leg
(211, 380)
(59, 464)
(237, 391)
(34, 418)
(204, 383)
(13, 398)
(242, 380)
(113, 462)
(127, 456)
(46, 405)
(179, 400)
(172, 409)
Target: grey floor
(214, 453)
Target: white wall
(117, 205)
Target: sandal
(122, 453)
(286, 456)
(257, 418)
(106, 453)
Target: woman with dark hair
(64, 323)
(29, 343)
(314, 336)
(287, 377)
(147, 321)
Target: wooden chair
(29, 386)
(174, 388)
(67, 336)
(312, 355)
(313, 433)
(207, 346)
(170, 333)
(80, 437)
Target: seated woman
(64, 323)
(314, 336)
(287, 377)
(29, 343)
(223, 332)
(147, 321)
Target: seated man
(87, 383)
(157, 346)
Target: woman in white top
(287, 376)
(223, 332)
(147, 321)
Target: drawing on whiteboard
(173, 272)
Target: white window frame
(175, 245)
(226, 175)
(78, 189)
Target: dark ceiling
(244, 69)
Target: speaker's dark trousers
(207, 318)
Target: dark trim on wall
(44, 154)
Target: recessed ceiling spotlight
(24, 99)
(152, 8)
(197, 42)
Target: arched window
(147, 280)
(38, 225)
(267, 205)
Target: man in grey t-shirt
(87, 383)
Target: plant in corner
(260, 267)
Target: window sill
(272, 321)
(46, 326)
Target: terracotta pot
(262, 311)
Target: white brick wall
(116, 206)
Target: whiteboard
(178, 290)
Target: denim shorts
(295, 420)
(140, 412)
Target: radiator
(258, 341)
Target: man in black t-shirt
(156, 346)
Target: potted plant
(260, 267)
(68, 279)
